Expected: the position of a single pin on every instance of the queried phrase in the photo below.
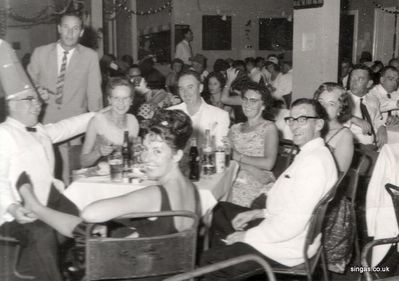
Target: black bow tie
(31, 129)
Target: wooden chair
(220, 265)
(350, 185)
(119, 258)
(285, 155)
(74, 152)
(315, 230)
(394, 192)
(9, 257)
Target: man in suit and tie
(70, 75)
(366, 123)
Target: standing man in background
(69, 74)
(184, 50)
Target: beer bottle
(126, 151)
(194, 161)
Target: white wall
(315, 54)
(191, 11)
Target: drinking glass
(115, 162)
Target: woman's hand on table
(241, 220)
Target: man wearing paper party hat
(26, 146)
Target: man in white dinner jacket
(26, 145)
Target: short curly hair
(173, 126)
(267, 99)
(118, 81)
(345, 101)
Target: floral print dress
(250, 183)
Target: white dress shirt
(386, 104)
(380, 213)
(60, 55)
(32, 152)
(208, 117)
(373, 108)
(290, 203)
(184, 51)
(283, 85)
(255, 75)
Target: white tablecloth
(213, 188)
(380, 214)
(393, 134)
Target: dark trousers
(39, 256)
(224, 212)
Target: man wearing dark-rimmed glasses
(277, 233)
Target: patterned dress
(250, 183)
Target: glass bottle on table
(194, 161)
(208, 163)
(126, 154)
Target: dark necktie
(366, 116)
(61, 79)
(389, 111)
(31, 129)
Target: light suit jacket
(82, 86)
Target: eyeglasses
(250, 101)
(300, 119)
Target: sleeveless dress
(108, 132)
(247, 185)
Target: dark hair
(75, 14)
(114, 82)
(259, 59)
(176, 60)
(250, 60)
(365, 57)
(219, 76)
(128, 59)
(220, 65)
(318, 109)
(238, 63)
(275, 66)
(388, 67)
(173, 126)
(345, 101)
(189, 72)
(362, 67)
(186, 30)
(266, 97)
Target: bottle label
(220, 161)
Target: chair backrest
(223, 264)
(119, 258)
(393, 190)
(285, 155)
(358, 168)
(9, 256)
(74, 152)
(317, 218)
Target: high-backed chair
(315, 230)
(119, 258)
(285, 155)
(9, 256)
(224, 264)
(394, 192)
(351, 183)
